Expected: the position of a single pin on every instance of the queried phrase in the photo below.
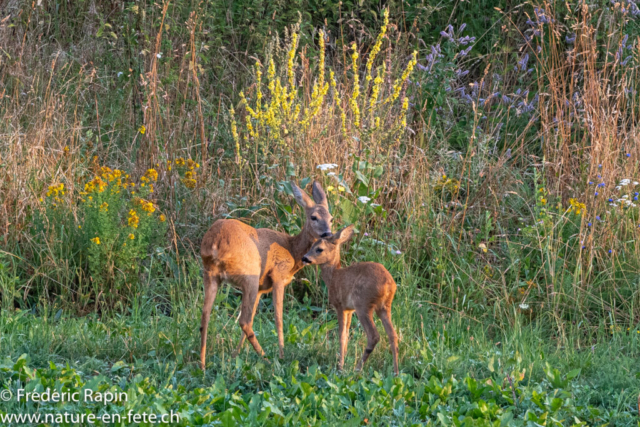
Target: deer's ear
(319, 195)
(343, 235)
(301, 197)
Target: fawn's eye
(319, 250)
(314, 218)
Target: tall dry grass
(459, 184)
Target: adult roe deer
(257, 261)
(364, 287)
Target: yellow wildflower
(131, 236)
(142, 129)
(163, 218)
(96, 240)
(134, 220)
(151, 174)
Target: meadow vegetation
(485, 151)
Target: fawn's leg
(250, 299)
(211, 284)
(373, 337)
(385, 317)
(344, 336)
(278, 302)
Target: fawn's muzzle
(327, 234)
(306, 260)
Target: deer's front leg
(278, 302)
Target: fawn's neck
(327, 269)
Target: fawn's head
(318, 219)
(327, 249)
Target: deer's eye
(314, 218)
(319, 250)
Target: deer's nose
(306, 260)
(327, 234)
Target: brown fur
(364, 287)
(258, 261)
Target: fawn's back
(368, 284)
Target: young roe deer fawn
(364, 287)
(257, 261)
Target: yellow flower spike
(376, 47)
(271, 74)
(403, 113)
(377, 83)
(104, 207)
(142, 129)
(397, 85)
(355, 108)
(291, 55)
(234, 133)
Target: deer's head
(327, 249)
(318, 218)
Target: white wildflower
(618, 187)
(364, 199)
(524, 306)
(326, 166)
(120, 73)
(625, 181)
(159, 55)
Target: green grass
(154, 354)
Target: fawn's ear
(319, 195)
(301, 197)
(343, 235)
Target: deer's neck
(300, 245)
(328, 269)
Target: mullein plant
(296, 105)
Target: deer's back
(231, 248)
(367, 283)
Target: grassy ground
(160, 350)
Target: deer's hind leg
(211, 284)
(250, 300)
(373, 337)
(385, 316)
